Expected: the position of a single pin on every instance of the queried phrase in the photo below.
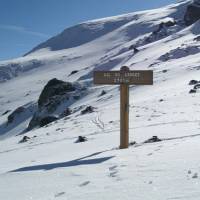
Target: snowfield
(52, 165)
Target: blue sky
(26, 23)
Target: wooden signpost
(124, 78)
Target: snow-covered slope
(51, 165)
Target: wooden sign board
(139, 77)
(124, 78)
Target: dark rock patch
(132, 143)
(66, 112)
(103, 92)
(193, 82)
(180, 52)
(53, 88)
(73, 72)
(81, 139)
(54, 100)
(47, 120)
(197, 86)
(134, 48)
(153, 139)
(163, 25)
(164, 71)
(6, 112)
(24, 139)
(88, 109)
(192, 91)
(197, 38)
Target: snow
(51, 165)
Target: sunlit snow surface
(52, 166)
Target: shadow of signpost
(72, 163)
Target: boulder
(73, 72)
(47, 120)
(54, 88)
(66, 112)
(103, 92)
(197, 38)
(192, 91)
(88, 109)
(193, 82)
(6, 112)
(54, 100)
(24, 139)
(81, 139)
(197, 86)
(153, 139)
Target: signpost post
(124, 78)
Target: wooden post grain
(124, 114)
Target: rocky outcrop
(88, 109)
(47, 120)
(192, 13)
(53, 91)
(54, 102)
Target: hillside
(50, 164)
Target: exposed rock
(73, 72)
(192, 13)
(193, 82)
(54, 88)
(103, 92)
(66, 112)
(47, 120)
(24, 139)
(6, 112)
(81, 139)
(163, 25)
(165, 28)
(15, 114)
(153, 139)
(197, 38)
(134, 48)
(56, 96)
(180, 52)
(197, 86)
(192, 91)
(132, 143)
(88, 109)
(35, 121)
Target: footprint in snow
(157, 149)
(84, 183)
(113, 174)
(113, 171)
(59, 194)
(112, 168)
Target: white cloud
(23, 30)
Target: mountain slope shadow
(71, 163)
